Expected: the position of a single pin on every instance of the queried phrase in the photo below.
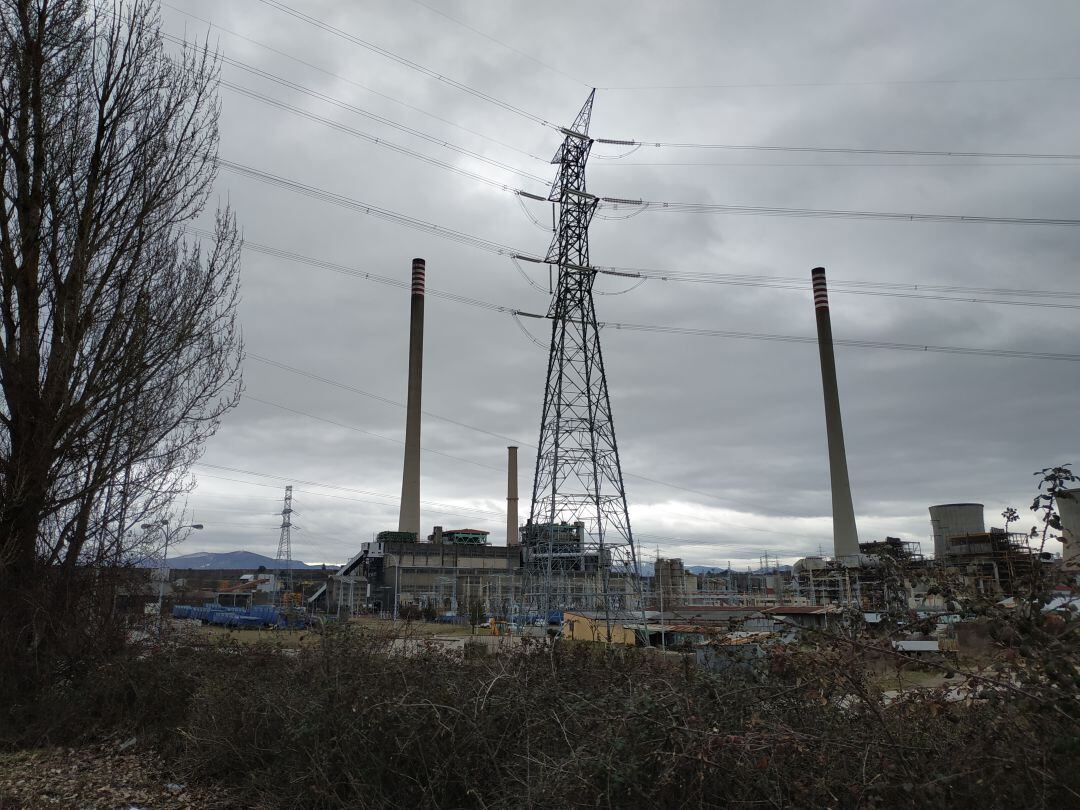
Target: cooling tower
(952, 520)
(1068, 506)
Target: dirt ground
(116, 774)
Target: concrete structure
(845, 535)
(409, 517)
(950, 520)
(1068, 506)
(513, 536)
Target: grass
(294, 639)
(212, 635)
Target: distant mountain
(232, 560)
(708, 569)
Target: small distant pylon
(284, 549)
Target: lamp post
(169, 534)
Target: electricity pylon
(284, 549)
(579, 528)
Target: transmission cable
(860, 344)
(279, 406)
(388, 499)
(619, 203)
(837, 286)
(839, 150)
(931, 292)
(269, 100)
(517, 442)
(866, 83)
(354, 83)
(356, 133)
(366, 208)
(509, 47)
(340, 487)
(838, 165)
(401, 60)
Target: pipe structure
(409, 517)
(845, 535)
(513, 535)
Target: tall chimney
(512, 536)
(845, 535)
(409, 518)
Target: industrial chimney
(409, 518)
(513, 538)
(845, 535)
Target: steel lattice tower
(284, 549)
(579, 528)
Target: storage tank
(1068, 507)
(953, 519)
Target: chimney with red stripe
(845, 535)
(409, 517)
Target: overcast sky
(734, 428)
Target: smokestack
(512, 536)
(409, 518)
(845, 535)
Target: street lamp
(169, 534)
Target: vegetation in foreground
(351, 723)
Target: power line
(315, 94)
(330, 495)
(344, 105)
(865, 83)
(929, 292)
(366, 208)
(353, 272)
(401, 60)
(339, 77)
(509, 47)
(378, 397)
(374, 139)
(835, 165)
(932, 292)
(393, 498)
(860, 344)
(508, 439)
(619, 203)
(368, 432)
(839, 150)
(613, 203)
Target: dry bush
(356, 724)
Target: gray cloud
(738, 422)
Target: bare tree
(119, 346)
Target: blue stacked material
(229, 616)
(555, 617)
(224, 618)
(266, 614)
